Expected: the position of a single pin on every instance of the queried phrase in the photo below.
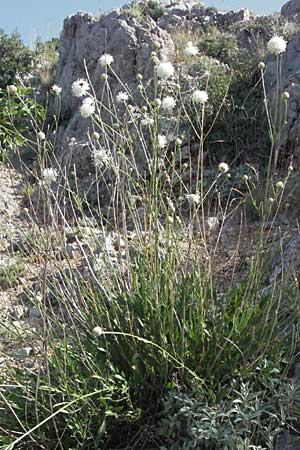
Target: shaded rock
(291, 9)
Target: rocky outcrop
(289, 82)
(291, 9)
(83, 40)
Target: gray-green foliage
(251, 416)
(140, 10)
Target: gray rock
(83, 40)
(290, 82)
(287, 441)
(291, 9)
(34, 313)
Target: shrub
(15, 58)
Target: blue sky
(44, 18)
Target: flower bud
(261, 66)
(285, 95)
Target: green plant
(140, 10)
(16, 110)
(15, 58)
(251, 417)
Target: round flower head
(122, 97)
(56, 90)
(285, 95)
(199, 97)
(12, 89)
(100, 157)
(280, 184)
(41, 136)
(193, 199)
(261, 66)
(96, 135)
(87, 108)
(162, 141)
(191, 50)
(223, 167)
(106, 60)
(168, 104)
(80, 87)
(49, 175)
(165, 70)
(97, 331)
(276, 45)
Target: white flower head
(12, 89)
(193, 199)
(96, 135)
(55, 89)
(223, 167)
(199, 97)
(49, 175)
(280, 184)
(100, 157)
(168, 104)
(285, 95)
(162, 141)
(276, 45)
(147, 121)
(165, 70)
(190, 49)
(122, 97)
(106, 60)
(87, 108)
(80, 87)
(41, 135)
(97, 331)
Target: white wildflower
(165, 70)
(100, 157)
(168, 104)
(199, 97)
(56, 90)
(122, 97)
(49, 175)
(106, 60)
(12, 89)
(193, 199)
(157, 102)
(41, 136)
(97, 331)
(276, 45)
(190, 49)
(96, 135)
(80, 87)
(162, 141)
(285, 95)
(280, 184)
(261, 66)
(223, 167)
(87, 108)
(147, 121)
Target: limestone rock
(291, 9)
(290, 82)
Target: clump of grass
(145, 311)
